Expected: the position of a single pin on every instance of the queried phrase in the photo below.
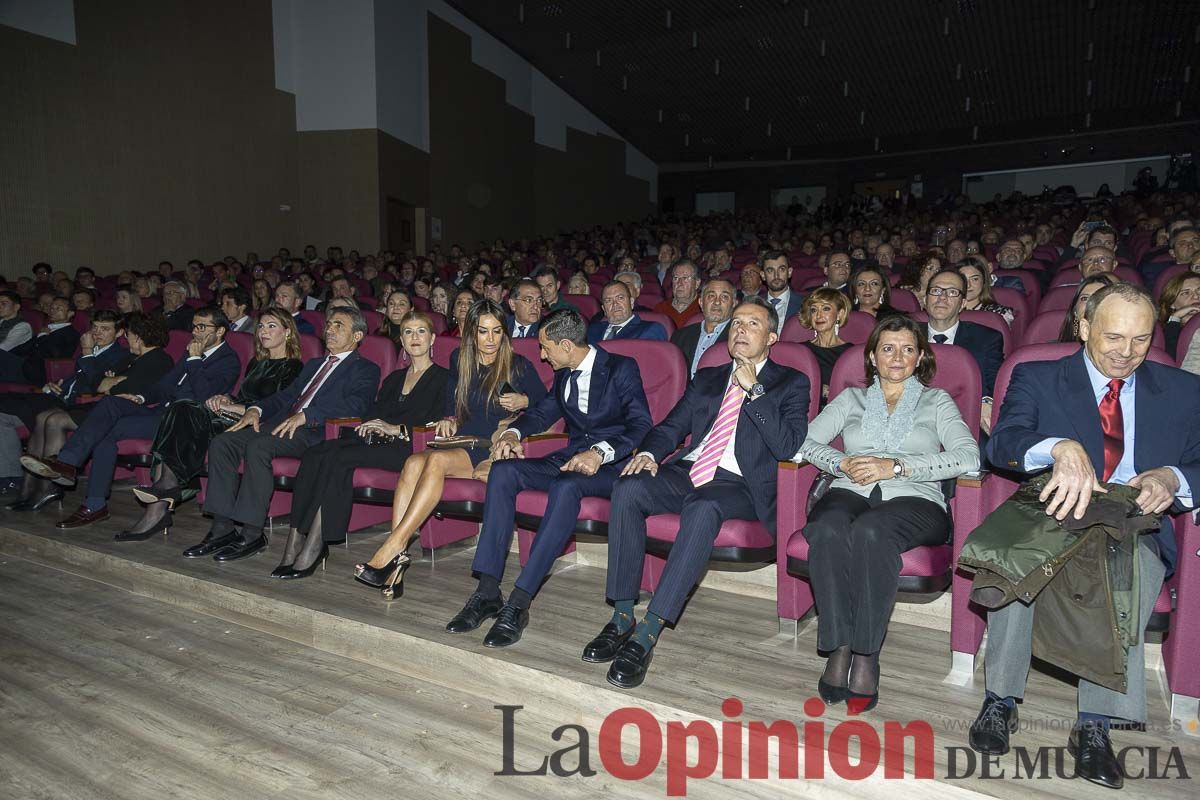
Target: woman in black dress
(482, 371)
(824, 312)
(322, 498)
(183, 435)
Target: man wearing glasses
(684, 302)
(1095, 259)
(943, 303)
(526, 304)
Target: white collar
(237, 323)
(787, 290)
(589, 361)
(339, 356)
(950, 333)
(57, 326)
(212, 350)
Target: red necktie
(1112, 423)
(315, 384)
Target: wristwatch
(597, 450)
(757, 391)
(898, 468)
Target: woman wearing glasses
(324, 492)
(189, 426)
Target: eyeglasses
(199, 326)
(1098, 260)
(938, 291)
(529, 301)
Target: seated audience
(289, 298)
(751, 281)
(977, 272)
(476, 405)
(546, 277)
(716, 304)
(683, 303)
(778, 275)
(943, 305)
(286, 423)
(525, 301)
(872, 293)
(190, 424)
(577, 284)
(127, 300)
(1179, 302)
(743, 418)
(823, 312)
(236, 305)
(1069, 332)
(837, 272)
(175, 310)
(900, 437)
(26, 363)
(14, 330)
(918, 271)
(441, 299)
(464, 299)
(396, 308)
(620, 322)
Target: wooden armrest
(343, 420)
(973, 483)
(545, 437)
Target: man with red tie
(1104, 414)
(743, 419)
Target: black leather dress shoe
(991, 729)
(629, 666)
(508, 626)
(477, 609)
(210, 545)
(241, 549)
(1094, 757)
(607, 643)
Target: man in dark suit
(210, 367)
(716, 303)
(742, 420)
(778, 275)
(944, 296)
(289, 298)
(600, 397)
(175, 310)
(621, 322)
(526, 304)
(1103, 414)
(339, 384)
(236, 304)
(26, 363)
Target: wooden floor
(128, 671)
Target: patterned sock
(647, 632)
(622, 615)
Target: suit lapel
(599, 385)
(1145, 397)
(1075, 387)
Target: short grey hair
(566, 323)
(358, 323)
(637, 278)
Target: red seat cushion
(285, 466)
(375, 478)
(463, 489)
(921, 561)
(734, 532)
(533, 502)
(134, 447)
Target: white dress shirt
(728, 460)
(949, 333)
(781, 308)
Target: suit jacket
(986, 346)
(347, 392)
(61, 343)
(617, 410)
(247, 326)
(180, 319)
(198, 378)
(89, 371)
(302, 325)
(770, 429)
(688, 337)
(795, 301)
(1054, 398)
(634, 328)
(511, 326)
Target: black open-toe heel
(376, 577)
(395, 586)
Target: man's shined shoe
(1094, 757)
(51, 469)
(82, 517)
(241, 548)
(477, 609)
(211, 544)
(991, 729)
(508, 626)
(629, 666)
(606, 645)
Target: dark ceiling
(844, 79)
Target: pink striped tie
(718, 438)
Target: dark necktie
(574, 389)
(940, 338)
(1112, 423)
(521, 332)
(313, 385)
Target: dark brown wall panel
(160, 135)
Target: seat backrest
(439, 322)
(904, 300)
(316, 319)
(985, 318)
(788, 354)
(1033, 290)
(243, 345)
(1015, 300)
(1044, 328)
(311, 347)
(382, 351)
(664, 375)
(1058, 298)
(531, 348)
(420, 303)
(374, 320)
(177, 343)
(957, 374)
(81, 321)
(661, 318)
(443, 347)
(857, 329)
(588, 306)
(1165, 276)
(1185, 338)
(1047, 352)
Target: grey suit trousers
(1010, 644)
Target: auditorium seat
(662, 319)
(985, 318)
(857, 329)
(1185, 338)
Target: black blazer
(770, 429)
(986, 346)
(510, 325)
(61, 343)
(142, 373)
(687, 337)
(198, 378)
(347, 392)
(423, 404)
(89, 371)
(180, 319)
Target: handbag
(459, 443)
(817, 491)
(375, 437)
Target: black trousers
(325, 481)
(701, 512)
(854, 547)
(245, 498)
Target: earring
(837, 326)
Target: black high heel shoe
(294, 573)
(36, 503)
(377, 577)
(163, 526)
(148, 494)
(830, 694)
(395, 586)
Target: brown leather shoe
(51, 469)
(82, 517)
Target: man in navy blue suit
(289, 297)
(778, 276)
(601, 399)
(944, 297)
(526, 304)
(620, 322)
(742, 420)
(1103, 414)
(339, 384)
(210, 367)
